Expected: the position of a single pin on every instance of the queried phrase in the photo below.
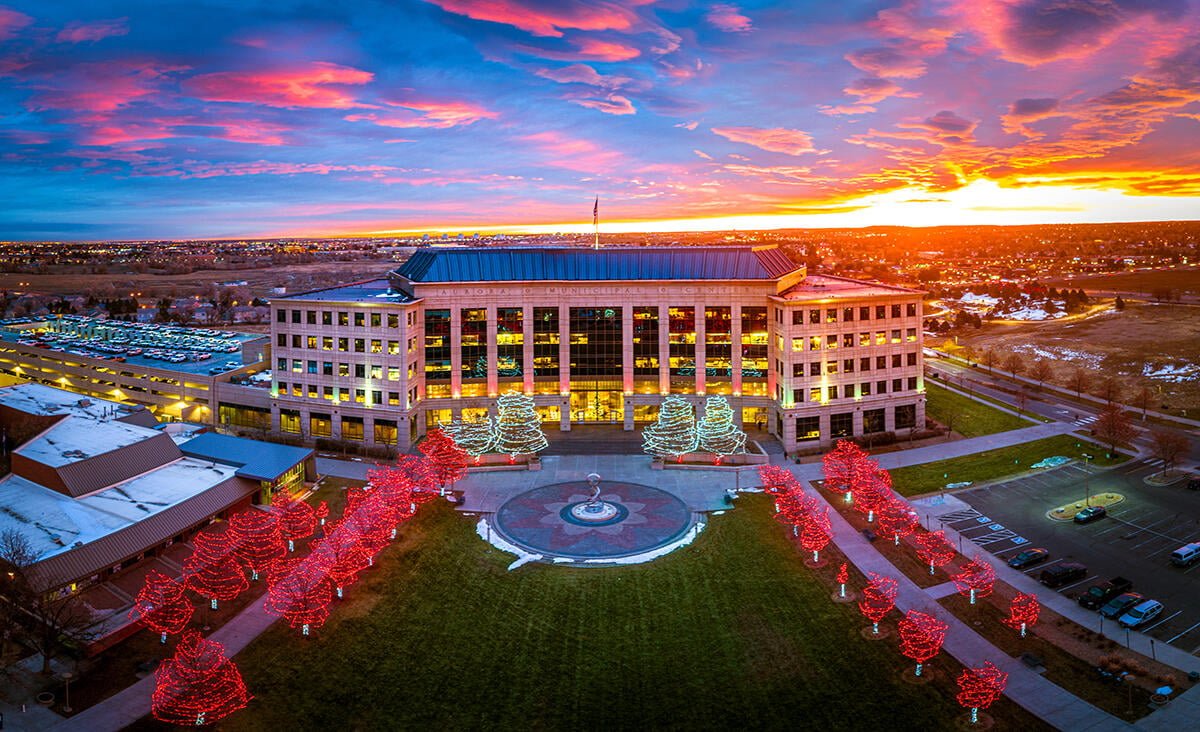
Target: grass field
(731, 632)
(1180, 280)
(970, 418)
(991, 464)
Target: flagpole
(596, 223)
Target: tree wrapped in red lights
(395, 488)
(356, 494)
(448, 461)
(897, 519)
(935, 549)
(980, 687)
(345, 556)
(297, 520)
(421, 471)
(374, 524)
(793, 508)
(845, 466)
(975, 579)
(776, 480)
(816, 533)
(878, 599)
(162, 605)
(198, 685)
(921, 637)
(872, 491)
(1023, 612)
(257, 539)
(300, 591)
(212, 571)
(322, 513)
(843, 576)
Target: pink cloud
(612, 104)
(99, 87)
(582, 74)
(776, 139)
(427, 113)
(888, 63)
(540, 20)
(847, 109)
(79, 32)
(199, 169)
(607, 50)
(728, 18)
(872, 89)
(11, 21)
(315, 85)
(573, 153)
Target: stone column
(456, 352)
(701, 356)
(564, 351)
(493, 355)
(857, 429)
(627, 349)
(527, 349)
(735, 348)
(664, 350)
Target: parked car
(1062, 574)
(1029, 558)
(1193, 483)
(1117, 606)
(1096, 596)
(1141, 613)
(1186, 555)
(1090, 514)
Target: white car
(1141, 613)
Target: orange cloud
(315, 85)
(427, 113)
(544, 21)
(775, 139)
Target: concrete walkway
(128, 706)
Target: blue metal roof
(578, 264)
(256, 460)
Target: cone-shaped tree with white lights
(674, 433)
(716, 431)
(518, 429)
(475, 437)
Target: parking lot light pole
(1087, 480)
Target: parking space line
(998, 552)
(1180, 635)
(1089, 579)
(1140, 529)
(1189, 569)
(1152, 627)
(1041, 566)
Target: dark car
(1117, 606)
(1062, 574)
(1028, 558)
(1090, 514)
(1193, 483)
(1097, 595)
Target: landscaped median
(990, 465)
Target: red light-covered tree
(162, 605)
(878, 599)
(394, 488)
(935, 549)
(297, 520)
(897, 519)
(448, 461)
(257, 539)
(212, 571)
(980, 687)
(921, 637)
(1023, 612)
(845, 466)
(198, 685)
(975, 579)
(421, 471)
(816, 533)
(872, 491)
(356, 494)
(321, 512)
(344, 555)
(300, 591)
(776, 480)
(793, 509)
(843, 576)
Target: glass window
(326, 317)
(595, 345)
(896, 310)
(376, 320)
(847, 314)
(645, 341)
(510, 343)
(906, 416)
(310, 317)
(718, 342)
(281, 316)
(289, 421)
(545, 342)
(808, 428)
(754, 347)
(474, 344)
(911, 310)
(681, 338)
(393, 320)
(831, 315)
(864, 339)
(872, 421)
(864, 389)
(359, 319)
(320, 425)
(352, 428)
(386, 432)
(343, 318)
(437, 345)
(814, 368)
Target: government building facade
(597, 336)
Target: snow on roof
(47, 401)
(72, 440)
(55, 523)
(823, 287)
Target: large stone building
(596, 336)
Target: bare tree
(1040, 371)
(1014, 364)
(1142, 398)
(50, 620)
(1110, 389)
(968, 354)
(990, 358)
(1078, 380)
(1167, 446)
(1114, 427)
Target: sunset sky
(222, 118)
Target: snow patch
(1032, 314)
(1052, 462)
(1174, 373)
(971, 297)
(1059, 353)
(683, 541)
(523, 557)
(955, 486)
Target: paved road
(1135, 542)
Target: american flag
(596, 212)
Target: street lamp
(67, 676)
(1087, 479)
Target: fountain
(594, 510)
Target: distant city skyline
(224, 119)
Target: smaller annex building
(96, 486)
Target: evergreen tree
(716, 431)
(518, 429)
(674, 433)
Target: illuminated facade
(597, 336)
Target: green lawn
(992, 464)
(731, 632)
(969, 418)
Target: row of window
(356, 370)
(816, 316)
(344, 345)
(366, 397)
(848, 340)
(361, 319)
(904, 417)
(385, 431)
(847, 366)
(831, 392)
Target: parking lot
(1134, 541)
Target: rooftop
(72, 440)
(829, 287)
(253, 459)
(46, 401)
(371, 290)
(605, 264)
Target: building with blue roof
(595, 336)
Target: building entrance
(597, 406)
